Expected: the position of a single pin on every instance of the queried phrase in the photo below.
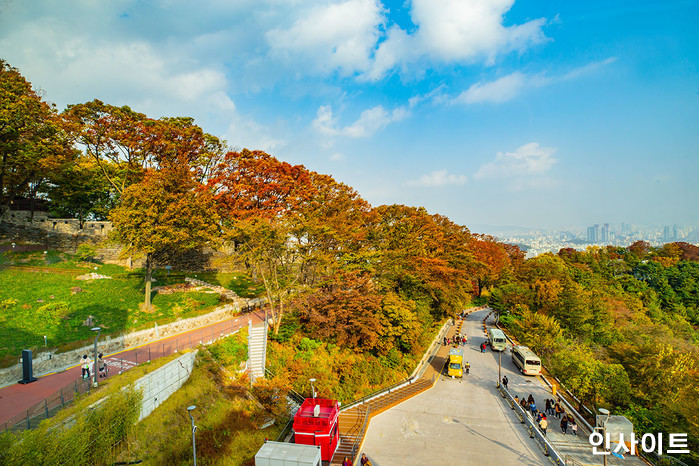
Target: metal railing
(118, 363)
(360, 435)
(532, 427)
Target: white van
(497, 339)
(527, 362)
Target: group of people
(552, 408)
(456, 340)
(86, 363)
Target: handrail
(360, 436)
(534, 430)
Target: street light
(313, 390)
(194, 429)
(604, 433)
(94, 365)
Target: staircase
(257, 349)
(353, 421)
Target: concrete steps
(257, 349)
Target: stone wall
(46, 362)
(69, 226)
(64, 234)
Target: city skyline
(539, 114)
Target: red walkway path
(16, 399)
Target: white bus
(527, 362)
(497, 339)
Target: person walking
(573, 427)
(365, 461)
(564, 424)
(543, 425)
(346, 462)
(532, 407)
(85, 365)
(504, 380)
(557, 410)
(102, 366)
(547, 408)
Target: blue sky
(492, 112)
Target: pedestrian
(467, 366)
(346, 462)
(504, 380)
(564, 424)
(516, 399)
(445, 341)
(548, 406)
(483, 347)
(557, 410)
(85, 367)
(102, 366)
(543, 424)
(532, 407)
(365, 461)
(538, 415)
(573, 426)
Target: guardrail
(532, 427)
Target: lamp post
(604, 433)
(94, 359)
(194, 429)
(499, 367)
(313, 390)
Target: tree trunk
(149, 276)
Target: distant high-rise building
(605, 233)
(593, 234)
(590, 234)
(675, 236)
(666, 233)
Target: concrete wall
(164, 381)
(44, 363)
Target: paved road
(468, 422)
(455, 422)
(17, 399)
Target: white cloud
(455, 31)
(437, 179)
(526, 165)
(244, 132)
(510, 86)
(500, 90)
(337, 157)
(332, 36)
(369, 122)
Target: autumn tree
(264, 247)
(346, 311)
(165, 213)
(125, 143)
(32, 137)
(255, 184)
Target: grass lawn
(39, 296)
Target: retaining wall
(164, 381)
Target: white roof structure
(287, 454)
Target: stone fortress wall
(39, 231)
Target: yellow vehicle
(456, 361)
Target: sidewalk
(17, 401)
